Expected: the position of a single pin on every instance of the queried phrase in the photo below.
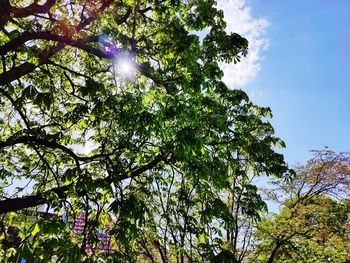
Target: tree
(313, 224)
(132, 80)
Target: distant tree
(313, 224)
(167, 138)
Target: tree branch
(26, 68)
(27, 36)
(32, 9)
(15, 204)
(30, 140)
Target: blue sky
(304, 74)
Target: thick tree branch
(30, 140)
(139, 170)
(89, 20)
(32, 9)
(28, 36)
(121, 20)
(15, 204)
(26, 68)
(7, 11)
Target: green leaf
(35, 230)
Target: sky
(299, 66)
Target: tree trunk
(274, 252)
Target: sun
(125, 66)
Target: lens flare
(125, 66)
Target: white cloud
(239, 19)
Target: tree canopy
(314, 222)
(116, 110)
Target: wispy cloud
(240, 20)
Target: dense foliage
(316, 231)
(115, 110)
(314, 222)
